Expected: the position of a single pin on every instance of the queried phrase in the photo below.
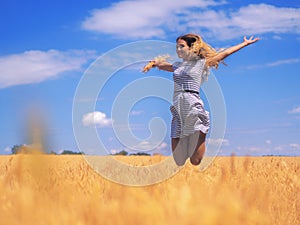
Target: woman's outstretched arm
(160, 62)
(227, 52)
(164, 66)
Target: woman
(190, 121)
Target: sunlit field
(64, 189)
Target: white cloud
(141, 19)
(96, 118)
(263, 18)
(147, 19)
(114, 151)
(36, 66)
(7, 149)
(162, 146)
(252, 19)
(295, 110)
(268, 142)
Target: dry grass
(49, 189)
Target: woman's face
(182, 49)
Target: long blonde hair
(200, 48)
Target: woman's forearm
(168, 68)
(164, 66)
(227, 52)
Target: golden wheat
(49, 189)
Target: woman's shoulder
(176, 64)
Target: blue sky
(46, 49)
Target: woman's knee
(195, 160)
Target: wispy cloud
(146, 146)
(36, 66)
(269, 149)
(88, 100)
(136, 113)
(276, 63)
(287, 149)
(290, 99)
(285, 61)
(295, 146)
(148, 19)
(295, 110)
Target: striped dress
(188, 113)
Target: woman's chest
(188, 71)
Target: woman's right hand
(149, 66)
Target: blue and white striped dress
(188, 113)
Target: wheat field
(64, 189)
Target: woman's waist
(186, 96)
(187, 88)
(187, 91)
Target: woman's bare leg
(175, 142)
(199, 150)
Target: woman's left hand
(251, 40)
